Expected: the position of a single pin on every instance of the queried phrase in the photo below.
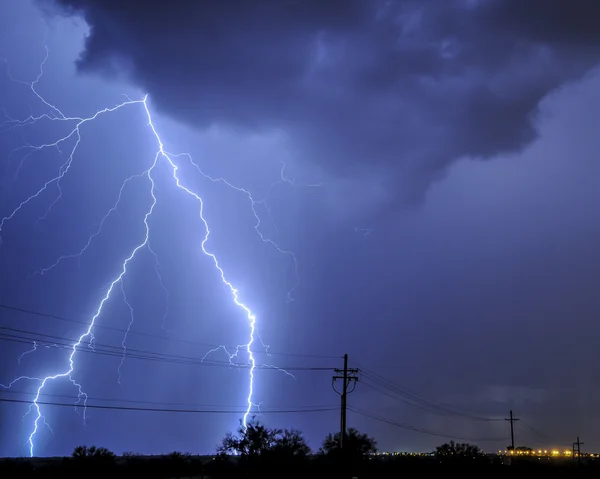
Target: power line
(404, 400)
(115, 351)
(512, 420)
(30, 312)
(166, 358)
(419, 402)
(348, 376)
(578, 444)
(189, 411)
(412, 399)
(418, 429)
(387, 388)
(139, 401)
(540, 435)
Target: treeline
(261, 452)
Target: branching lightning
(129, 324)
(97, 231)
(29, 351)
(162, 285)
(34, 349)
(253, 204)
(171, 162)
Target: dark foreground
(207, 467)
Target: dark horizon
(409, 184)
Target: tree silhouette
(290, 444)
(92, 452)
(355, 443)
(258, 440)
(452, 452)
(97, 459)
(260, 451)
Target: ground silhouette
(257, 451)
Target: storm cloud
(357, 86)
(483, 298)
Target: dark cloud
(358, 85)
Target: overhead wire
(165, 410)
(371, 379)
(33, 313)
(538, 434)
(144, 401)
(384, 386)
(410, 427)
(402, 399)
(117, 351)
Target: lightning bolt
(253, 204)
(164, 288)
(34, 349)
(68, 374)
(171, 161)
(161, 153)
(363, 231)
(66, 166)
(98, 230)
(283, 179)
(29, 351)
(124, 342)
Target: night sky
(426, 179)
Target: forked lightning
(54, 114)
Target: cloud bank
(396, 89)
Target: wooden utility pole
(578, 444)
(512, 430)
(348, 376)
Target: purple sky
(442, 177)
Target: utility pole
(348, 376)
(578, 444)
(512, 430)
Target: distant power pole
(578, 444)
(512, 429)
(348, 376)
